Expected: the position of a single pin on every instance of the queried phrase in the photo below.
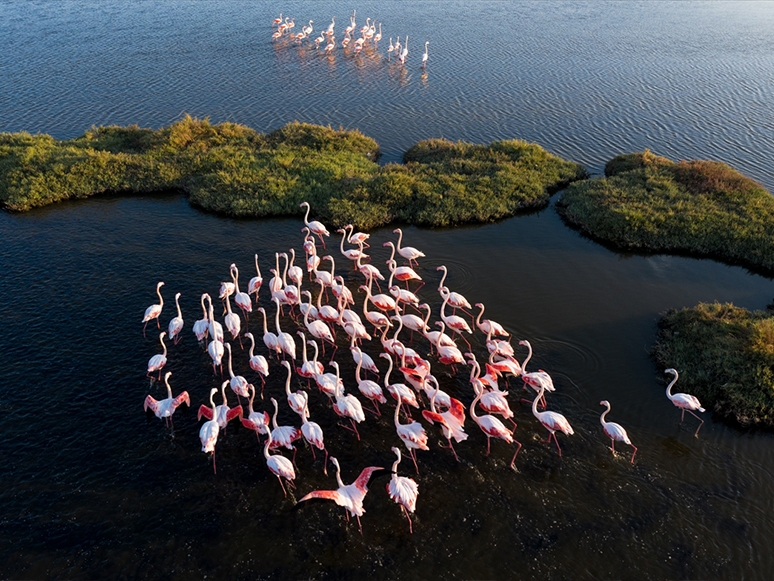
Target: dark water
(94, 488)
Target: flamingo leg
(557, 443)
(613, 446)
(214, 469)
(517, 452)
(634, 453)
(488, 444)
(406, 512)
(451, 447)
(285, 492)
(354, 427)
(325, 466)
(359, 524)
(413, 455)
(698, 418)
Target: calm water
(94, 488)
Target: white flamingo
(166, 407)
(403, 490)
(278, 465)
(153, 311)
(315, 227)
(201, 327)
(176, 324)
(238, 383)
(413, 435)
(258, 362)
(684, 401)
(297, 400)
(552, 421)
(615, 431)
(158, 361)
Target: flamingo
(258, 362)
(297, 400)
(369, 271)
(377, 319)
(370, 389)
(615, 431)
(269, 339)
(328, 383)
(381, 301)
(552, 421)
(283, 436)
(351, 254)
(403, 490)
(277, 21)
(314, 226)
(456, 300)
(238, 383)
(201, 326)
(413, 435)
(153, 311)
(233, 322)
(157, 362)
(285, 340)
(424, 56)
(404, 52)
(349, 496)
(436, 337)
(317, 328)
(390, 48)
(684, 401)
(215, 349)
(341, 292)
(278, 465)
(208, 433)
(241, 300)
(313, 434)
(367, 26)
(327, 313)
(359, 357)
(176, 324)
(166, 407)
(329, 32)
(351, 26)
(454, 322)
(398, 390)
(215, 329)
(226, 289)
(223, 414)
(378, 35)
(452, 421)
(347, 405)
(492, 427)
(357, 237)
(535, 379)
(493, 401)
(308, 368)
(256, 421)
(488, 326)
(295, 273)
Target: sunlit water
(94, 488)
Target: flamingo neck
(602, 417)
(338, 475)
(387, 375)
(230, 370)
(169, 389)
(252, 345)
(535, 402)
(257, 268)
(204, 309)
(274, 417)
(668, 389)
(287, 381)
(395, 464)
(473, 414)
(529, 356)
(306, 216)
(276, 316)
(400, 237)
(163, 346)
(480, 314)
(158, 292)
(265, 326)
(359, 365)
(397, 412)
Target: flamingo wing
(204, 411)
(333, 495)
(180, 399)
(233, 413)
(365, 476)
(150, 403)
(457, 410)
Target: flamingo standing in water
(370, 389)
(456, 300)
(615, 431)
(223, 413)
(424, 56)
(684, 401)
(349, 496)
(452, 421)
(238, 383)
(255, 283)
(413, 435)
(176, 324)
(488, 326)
(404, 53)
(297, 400)
(201, 326)
(278, 465)
(258, 362)
(233, 322)
(492, 427)
(313, 434)
(242, 300)
(403, 490)
(283, 436)
(208, 434)
(153, 311)
(166, 407)
(552, 421)
(269, 339)
(535, 379)
(256, 421)
(347, 405)
(314, 226)
(158, 361)
(399, 391)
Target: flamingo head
(523, 342)
(396, 231)
(301, 205)
(385, 355)
(285, 364)
(177, 296)
(160, 284)
(671, 370)
(442, 267)
(604, 402)
(249, 335)
(387, 244)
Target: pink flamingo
(283, 436)
(370, 389)
(238, 383)
(233, 322)
(314, 226)
(158, 361)
(454, 322)
(278, 465)
(399, 391)
(347, 405)
(153, 311)
(370, 272)
(166, 407)
(255, 283)
(318, 329)
(269, 339)
(684, 401)
(256, 421)
(408, 252)
(242, 300)
(349, 496)
(413, 435)
(456, 300)
(297, 400)
(308, 368)
(201, 326)
(357, 237)
(403, 490)
(258, 363)
(488, 326)
(535, 379)
(313, 434)
(452, 421)
(377, 319)
(223, 413)
(615, 431)
(552, 421)
(176, 324)
(208, 434)
(493, 428)
(351, 254)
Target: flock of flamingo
(330, 319)
(327, 38)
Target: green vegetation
(725, 357)
(650, 203)
(233, 170)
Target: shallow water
(95, 488)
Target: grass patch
(231, 169)
(725, 356)
(650, 203)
